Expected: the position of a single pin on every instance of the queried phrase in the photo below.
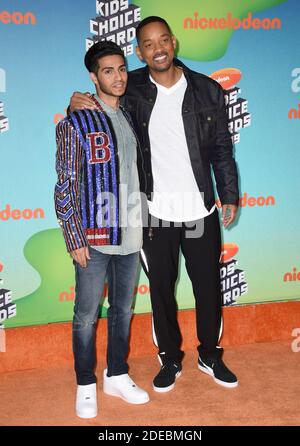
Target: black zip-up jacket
(206, 129)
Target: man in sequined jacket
(96, 155)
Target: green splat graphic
(203, 44)
(47, 254)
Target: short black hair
(146, 21)
(98, 50)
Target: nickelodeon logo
(18, 214)
(66, 296)
(17, 18)
(1, 267)
(230, 22)
(292, 276)
(294, 113)
(245, 200)
(227, 77)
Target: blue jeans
(121, 271)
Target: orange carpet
(268, 393)
(46, 345)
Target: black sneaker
(165, 379)
(216, 368)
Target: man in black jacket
(182, 126)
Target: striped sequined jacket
(87, 190)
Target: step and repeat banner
(250, 47)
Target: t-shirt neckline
(172, 89)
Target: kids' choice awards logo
(4, 126)
(7, 310)
(116, 21)
(233, 284)
(237, 108)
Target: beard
(163, 68)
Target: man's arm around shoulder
(67, 190)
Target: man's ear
(138, 53)
(94, 78)
(174, 42)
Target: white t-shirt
(176, 196)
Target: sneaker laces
(129, 381)
(168, 366)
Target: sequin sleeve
(67, 189)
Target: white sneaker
(86, 401)
(123, 387)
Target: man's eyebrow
(149, 40)
(111, 68)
